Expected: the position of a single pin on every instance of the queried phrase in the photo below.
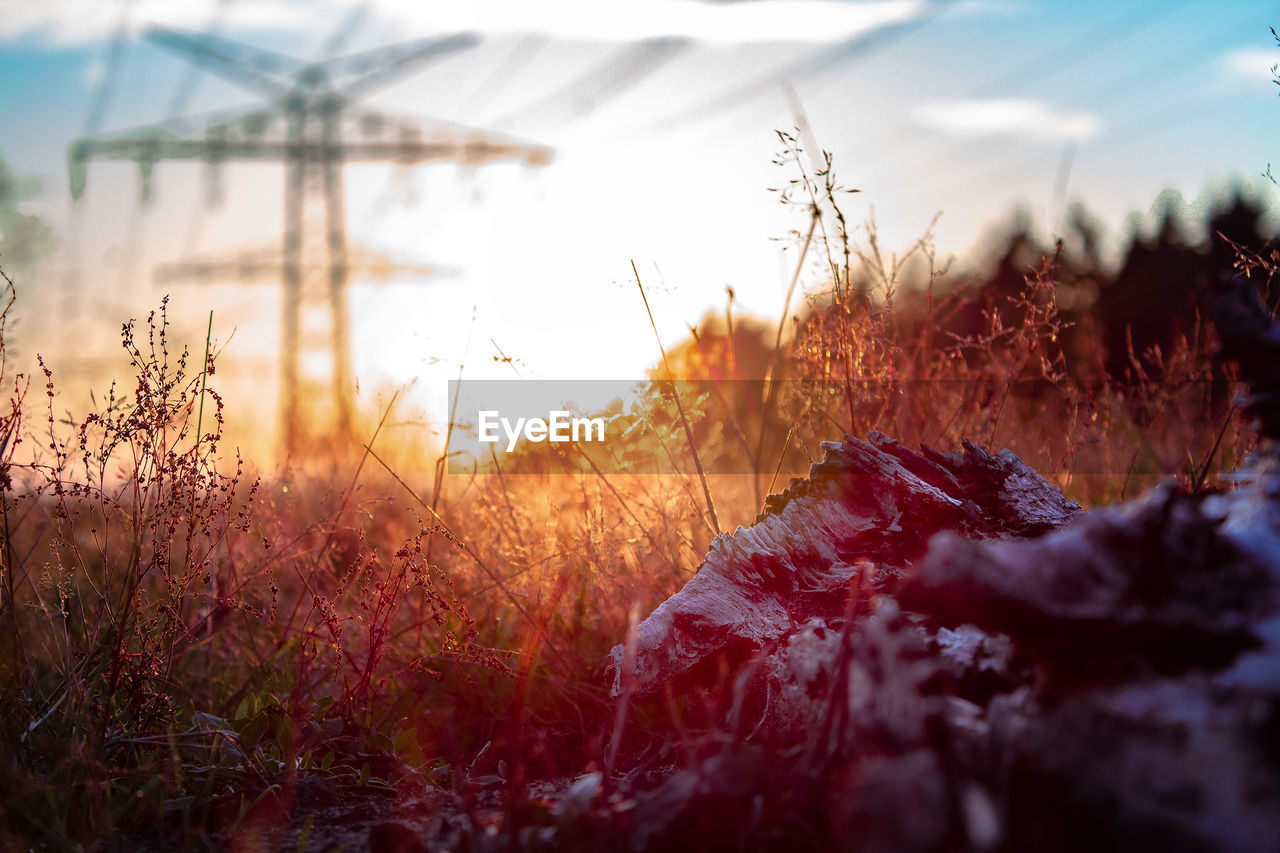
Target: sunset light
(645, 425)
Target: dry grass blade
(684, 420)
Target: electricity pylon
(313, 124)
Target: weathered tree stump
(949, 655)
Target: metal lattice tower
(313, 124)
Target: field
(197, 653)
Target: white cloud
(74, 22)
(1251, 65)
(757, 21)
(809, 21)
(976, 118)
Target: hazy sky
(661, 115)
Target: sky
(660, 116)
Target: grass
(184, 645)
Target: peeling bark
(864, 515)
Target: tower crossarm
(148, 148)
(263, 265)
(259, 71)
(148, 151)
(381, 135)
(368, 136)
(157, 148)
(467, 152)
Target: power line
(186, 88)
(110, 67)
(847, 53)
(1039, 67)
(1120, 89)
(351, 23)
(1075, 51)
(603, 82)
(95, 115)
(503, 73)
